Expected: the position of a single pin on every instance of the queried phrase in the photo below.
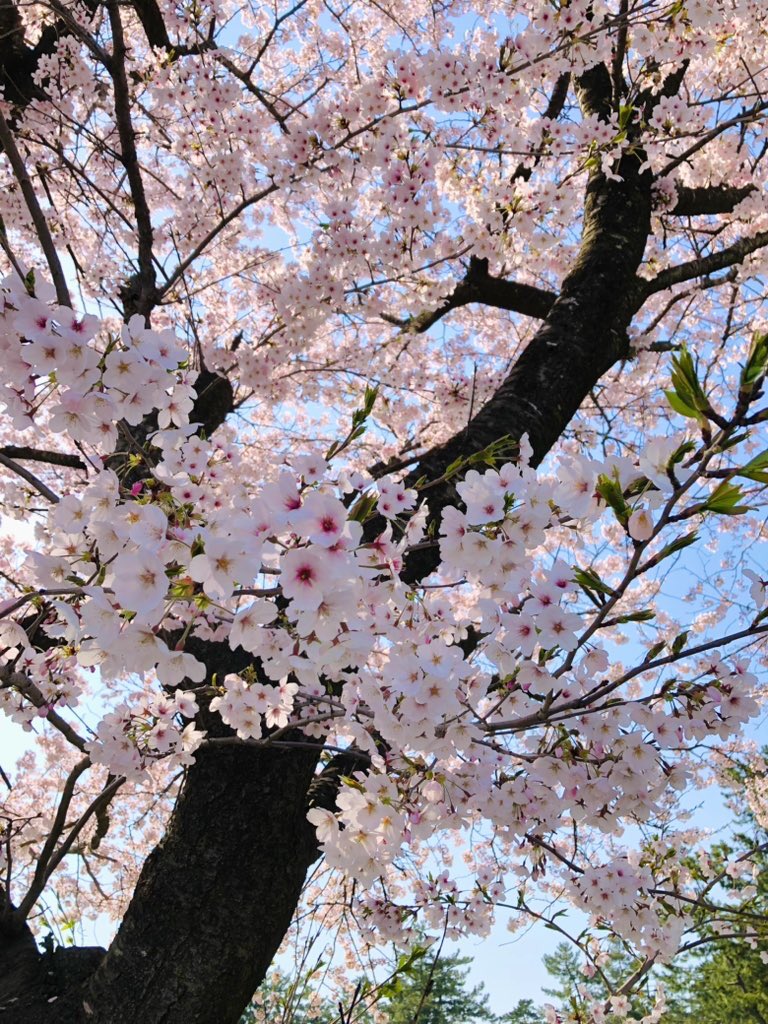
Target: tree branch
(31, 479)
(709, 199)
(746, 117)
(584, 332)
(14, 451)
(240, 839)
(42, 874)
(481, 287)
(38, 217)
(728, 257)
(28, 689)
(200, 248)
(618, 85)
(146, 297)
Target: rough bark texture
(215, 897)
(213, 902)
(584, 332)
(34, 986)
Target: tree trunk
(212, 905)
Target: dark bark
(709, 199)
(18, 61)
(34, 984)
(214, 401)
(482, 288)
(584, 332)
(212, 905)
(723, 259)
(14, 451)
(215, 898)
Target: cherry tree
(381, 464)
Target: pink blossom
(305, 575)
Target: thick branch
(727, 257)
(25, 686)
(709, 199)
(152, 22)
(31, 479)
(584, 332)
(15, 451)
(42, 872)
(479, 286)
(215, 898)
(146, 292)
(18, 62)
(38, 217)
(214, 402)
(554, 109)
(156, 31)
(618, 85)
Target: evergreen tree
(726, 978)
(435, 991)
(283, 1000)
(565, 968)
(524, 1012)
(730, 984)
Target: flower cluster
(476, 695)
(89, 378)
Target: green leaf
(680, 406)
(724, 500)
(757, 362)
(756, 469)
(369, 399)
(654, 651)
(407, 961)
(679, 454)
(676, 545)
(611, 493)
(644, 616)
(589, 580)
(679, 642)
(359, 423)
(503, 450)
(455, 466)
(733, 441)
(363, 508)
(625, 115)
(685, 381)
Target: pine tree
(435, 991)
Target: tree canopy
(383, 478)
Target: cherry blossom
(330, 444)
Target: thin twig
(59, 821)
(35, 212)
(95, 806)
(25, 474)
(130, 160)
